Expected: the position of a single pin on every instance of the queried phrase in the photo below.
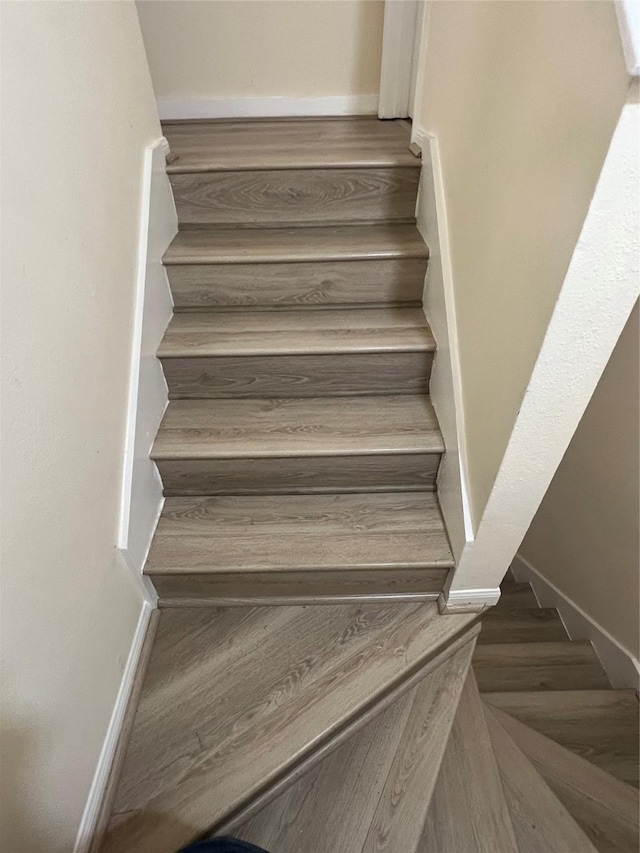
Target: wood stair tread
(235, 698)
(299, 532)
(468, 811)
(605, 807)
(600, 725)
(515, 596)
(302, 244)
(540, 821)
(538, 666)
(248, 428)
(522, 625)
(372, 793)
(207, 146)
(250, 333)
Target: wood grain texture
(606, 808)
(370, 792)
(282, 475)
(600, 725)
(299, 533)
(539, 666)
(332, 806)
(404, 802)
(518, 625)
(223, 429)
(297, 353)
(254, 333)
(540, 821)
(209, 146)
(351, 444)
(268, 795)
(298, 376)
(292, 196)
(236, 696)
(319, 284)
(341, 586)
(298, 245)
(296, 549)
(468, 812)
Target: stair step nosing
(164, 455)
(395, 161)
(246, 256)
(165, 351)
(236, 570)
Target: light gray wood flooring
(352, 141)
(233, 697)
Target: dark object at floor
(222, 845)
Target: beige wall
(585, 536)
(77, 113)
(524, 98)
(260, 48)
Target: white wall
(598, 293)
(585, 536)
(523, 99)
(78, 112)
(238, 49)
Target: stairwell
(302, 690)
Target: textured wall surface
(585, 537)
(523, 98)
(77, 113)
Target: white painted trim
(628, 12)
(599, 292)
(141, 492)
(333, 105)
(88, 823)
(445, 386)
(398, 68)
(622, 668)
(468, 600)
(136, 350)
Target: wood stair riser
(600, 725)
(538, 666)
(297, 549)
(292, 196)
(300, 475)
(540, 821)
(325, 586)
(605, 808)
(313, 284)
(298, 375)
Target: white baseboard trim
(333, 105)
(467, 600)
(445, 385)
(90, 817)
(621, 666)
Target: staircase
(302, 690)
(300, 450)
